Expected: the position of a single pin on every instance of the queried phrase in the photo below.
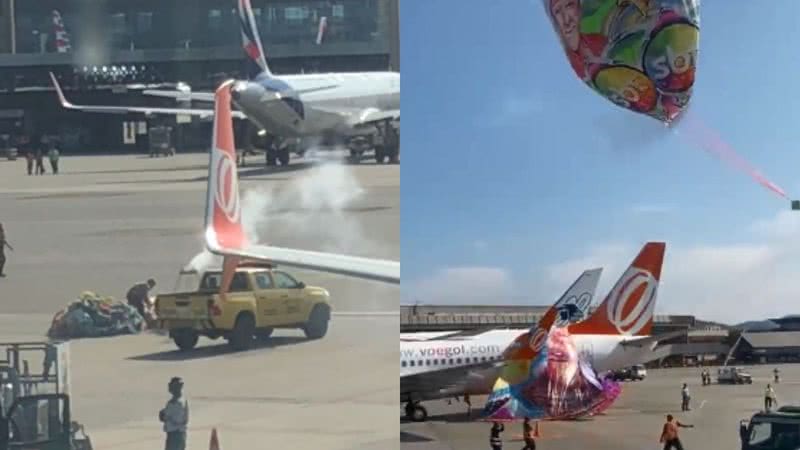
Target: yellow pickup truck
(259, 299)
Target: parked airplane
(336, 107)
(436, 365)
(225, 235)
(614, 336)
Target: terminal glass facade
(126, 25)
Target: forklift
(35, 405)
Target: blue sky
(516, 175)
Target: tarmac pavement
(633, 423)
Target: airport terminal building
(701, 343)
(105, 52)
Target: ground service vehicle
(776, 430)
(260, 299)
(160, 139)
(733, 375)
(637, 373)
(35, 405)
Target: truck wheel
(317, 325)
(185, 339)
(264, 333)
(242, 335)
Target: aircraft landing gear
(416, 412)
(278, 152)
(391, 144)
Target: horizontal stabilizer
(147, 110)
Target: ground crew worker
(494, 437)
(3, 244)
(527, 435)
(777, 375)
(175, 416)
(137, 295)
(769, 398)
(39, 162)
(669, 434)
(53, 155)
(685, 397)
(29, 161)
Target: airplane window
(483, 358)
(458, 360)
(435, 362)
(427, 362)
(402, 364)
(411, 363)
(451, 361)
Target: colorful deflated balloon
(640, 54)
(557, 383)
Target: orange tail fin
(628, 308)
(224, 232)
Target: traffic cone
(213, 444)
(536, 429)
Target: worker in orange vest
(669, 434)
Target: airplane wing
(441, 382)
(183, 96)
(652, 341)
(147, 110)
(209, 96)
(224, 232)
(373, 115)
(454, 335)
(362, 117)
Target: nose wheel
(416, 412)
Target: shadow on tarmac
(223, 349)
(405, 436)
(459, 417)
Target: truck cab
(259, 299)
(777, 430)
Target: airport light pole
(13, 25)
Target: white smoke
(312, 207)
(203, 261)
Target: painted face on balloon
(566, 13)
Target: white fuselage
(604, 352)
(341, 99)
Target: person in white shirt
(175, 416)
(770, 399)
